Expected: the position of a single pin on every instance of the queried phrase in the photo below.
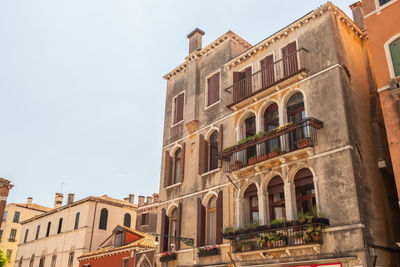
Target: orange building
(381, 20)
(125, 247)
(5, 186)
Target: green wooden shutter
(395, 53)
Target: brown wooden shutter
(178, 226)
(167, 169)
(163, 241)
(247, 72)
(220, 215)
(237, 76)
(203, 155)
(220, 143)
(182, 170)
(179, 106)
(201, 224)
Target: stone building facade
(146, 219)
(58, 237)
(11, 228)
(260, 141)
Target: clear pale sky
(81, 88)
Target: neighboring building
(381, 20)
(5, 186)
(146, 220)
(125, 247)
(58, 237)
(258, 134)
(11, 227)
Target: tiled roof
(33, 206)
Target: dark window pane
(103, 219)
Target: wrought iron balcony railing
(282, 140)
(269, 76)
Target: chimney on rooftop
(149, 200)
(58, 200)
(70, 198)
(131, 198)
(141, 201)
(126, 199)
(29, 200)
(195, 40)
(155, 198)
(358, 14)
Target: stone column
(289, 201)
(261, 208)
(239, 213)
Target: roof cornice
(313, 15)
(198, 54)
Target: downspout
(94, 219)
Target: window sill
(173, 185)
(176, 124)
(213, 104)
(206, 174)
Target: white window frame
(206, 90)
(173, 109)
(389, 55)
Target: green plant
(228, 230)
(312, 233)
(316, 214)
(245, 140)
(277, 221)
(253, 225)
(3, 258)
(304, 217)
(276, 148)
(261, 242)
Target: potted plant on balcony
(261, 157)
(208, 251)
(276, 149)
(312, 234)
(305, 142)
(253, 160)
(236, 165)
(167, 256)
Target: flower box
(236, 165)
(262, 158)
(305, 142)
(209, 252)
(252, 160)
(167, 257)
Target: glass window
(145, 218)
(252, 198)
(305, 193)
(127, 220)
(71, 258)
(213, 151)
(271, 121)
(59, 225)
(211, 221)
(41, 262)
(382, 2)
(173, 228)
(37, 232)
(103, 219)
(54, 260)
(5, 216)
(250, 130)
(16, 217)
(276, 199)
(177, 166)
(13, 234)
(77, 220)
(125, 263)
(48, 229)
(32, 260)
(26, 235)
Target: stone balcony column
(289, 196)
(261, 208)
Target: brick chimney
(149, 200)
(58, 200)
(70, 198)
(358, 14)
(141, 201)
(131, 198)
(30, 199)
(195, 38)
(155, 198)
(126, 199)
(5, 186)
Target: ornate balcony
(279, 74)
(277, 143)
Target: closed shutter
(182, 170)
(167, 169)
(203, 155)
(179, 107)
(220, 215)
(220, 143)
(237, 76)
(201, 223)
(395, 53)
(290, 65)
(213, 89)
(178, 226)
(267, 71)
(164, 225)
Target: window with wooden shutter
(201, 221)
(213, 164)
(289, 55)
(242, 84)
(394, 48)
(178, 104)
(267, 71)
(182, 167)
(203, 154)
(167, 169)
(220, 216)
(178, 226)
(164, 231)
(176, 177)
(213, 89)
(211, 221)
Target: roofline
(90, 198)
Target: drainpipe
(94, 219)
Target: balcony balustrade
(280, 73)
(282, 140)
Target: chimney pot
(71, 198)
(155, 198)
(141, 200)
(126, 199)
(358, 14)
(149, 200)
(131, 198)
(58, 200)
(195, 40)
(29, 200)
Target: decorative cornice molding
(198, 54)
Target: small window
(177, 167)
(77, 220)
(59, 225)
(16, 217)
(119, 239)
(213, 164)
(71, 258)
(394, 48)
(103, 219)
(54, 260)
(26, 235)
(9, 253)
(127, 220)
(213, 89)
(125, 262)
(178, 108)
(211, 221)
(145, 218)
(5, 216)
(42, 259)
(37, 232)
(13, 235)
(32, 261)
(382, 2)
(48, 229)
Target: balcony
(394, 87)
(281, 73)
(275, 144)
(289, 236)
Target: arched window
(213, 164)
(173, 227)
(42, 259)
(211, 221)
(394, 48)
(296, 113)
(251, 197)
(54, 259)
(32, 260)
(176, 177)
(276, 199)
(71, 257)
(250, 130)
(20, 261)
(127, 220)
(271, 121)
(103, 219)
(305, 193)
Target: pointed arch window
(177, 166)
(127, 220)
(271, 121)
(103, 219)
(211, 221)
(213, 151)
(173, 226)
(32, 261)
(20, 261)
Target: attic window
(118, 239)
